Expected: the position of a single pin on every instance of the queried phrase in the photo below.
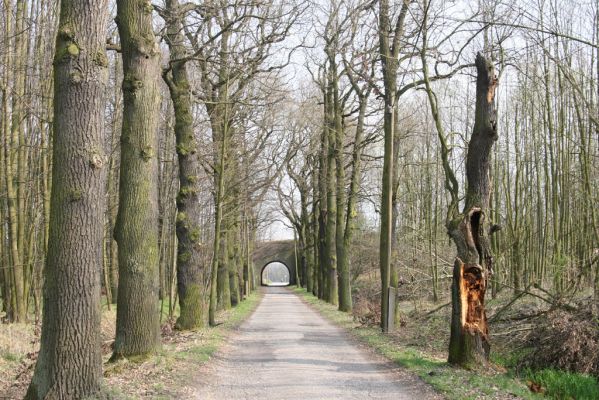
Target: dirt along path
(286, 350)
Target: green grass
(8, 356)
(565, 385)
(213, 338)
(454, 383)
(164, 309)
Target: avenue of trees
(145, 148)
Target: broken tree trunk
(469, 341)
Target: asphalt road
(286, 351)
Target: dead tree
(469, 341)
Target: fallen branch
(437, 309)
(513, 331)
(509, 304)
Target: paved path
(286, 351)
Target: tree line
(456, 170)
(142, 159)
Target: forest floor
(171, 373)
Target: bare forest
(431, 165)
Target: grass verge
(563, 385)
(172, 372)
(452, 382)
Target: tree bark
(218, 204)
(14, 169)
(315, 230)
(389, 46)
(331, 187)
(136, 230)
(469, 341)
(342, 258)
(323, 255)
(352, 198)
(223, 285)
(189, 274)
(69, 364)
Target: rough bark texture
(469, 341)
(189, 274)
(69, 364)
(136, 230)
(223, 286)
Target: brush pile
(566, 340)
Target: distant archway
(275, 273)
(282, 251)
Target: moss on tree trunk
(69, 363)
(136, 229)
(189, 262)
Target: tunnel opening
(275, 273)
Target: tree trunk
(14, 180)
(469, 341)
(352, 198)
(113, 188)
(315, 233)
(332, 295)
(223, 284)
(218, 216)
(307, 251)
(69, 364)
(340, 245)
(322, 210)
(6, 268)
(234, 265)
(189, 274)
(389, 46)
(136, 230)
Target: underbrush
(565, 340)
(560, 355)
(551, 348)
(18, 343)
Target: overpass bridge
(282, 251)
